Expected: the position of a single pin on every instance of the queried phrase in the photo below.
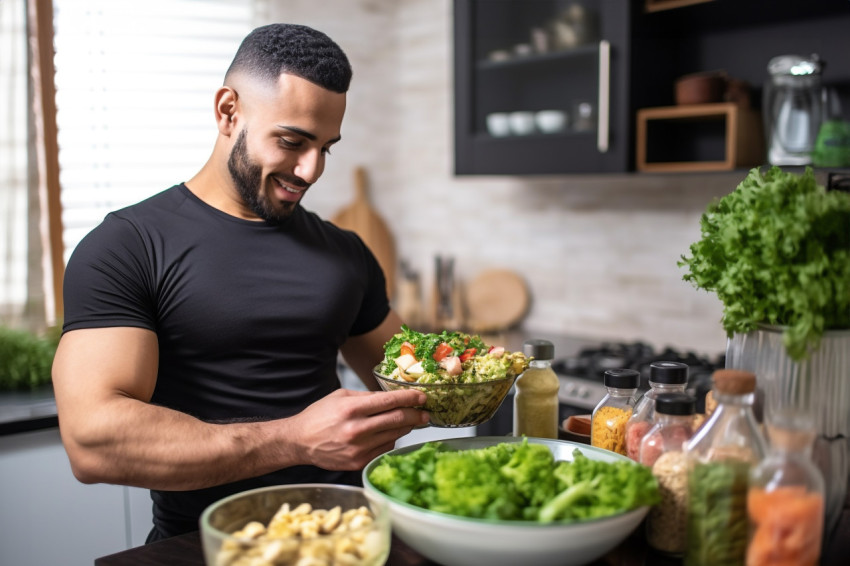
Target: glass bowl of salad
(465, 379)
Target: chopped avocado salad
(514, 481)
(447, 357)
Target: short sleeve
(376, 304)
(108, 279)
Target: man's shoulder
(127, 224)
(168, 199)
(312, 221)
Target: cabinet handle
(604, 95)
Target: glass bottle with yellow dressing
(536, 398)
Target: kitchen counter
(24, 411)
(185, 550)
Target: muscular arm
(362, 353)
(104, 379)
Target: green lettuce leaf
(776, 251)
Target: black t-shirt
(249, 316)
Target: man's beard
(248, 178)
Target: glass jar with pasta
(609, 418)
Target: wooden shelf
(731, 137)
(586, 50)
(658, 5)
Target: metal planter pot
(819, 386)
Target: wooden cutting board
(496, 300)
(363, 220)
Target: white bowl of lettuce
(504, 501)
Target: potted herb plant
(25, 359)
(776, 251)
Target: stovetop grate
(591, 363)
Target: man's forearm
(130, 442)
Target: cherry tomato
(468, 353)
(442, 351)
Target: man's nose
(311, 165)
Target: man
(202, 325)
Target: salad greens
(474, 360)
(426, 346)
(514, 481)
(777, 251)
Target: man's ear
(225, 109)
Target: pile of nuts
(308, 537)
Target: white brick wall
(599, 252)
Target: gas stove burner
(591, 363)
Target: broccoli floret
(470, 485)
(530, 471)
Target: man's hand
(348, 429)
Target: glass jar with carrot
(785, 501)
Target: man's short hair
(275, 49)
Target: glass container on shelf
(785, 501)
(719, 459)
(608, 421)
(792, 108)
(664, 377)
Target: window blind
(13, 158)
(134, 94)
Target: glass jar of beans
(662, 448)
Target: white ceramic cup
(498, 124)
(522, 123)
(551, 121)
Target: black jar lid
(621, 378)
(675, 404)
(668, 372)
(539, 349)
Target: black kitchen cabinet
(631, 61)
(496, 73)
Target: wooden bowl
(700, 88)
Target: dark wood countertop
(25, 411)
(185, 550)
